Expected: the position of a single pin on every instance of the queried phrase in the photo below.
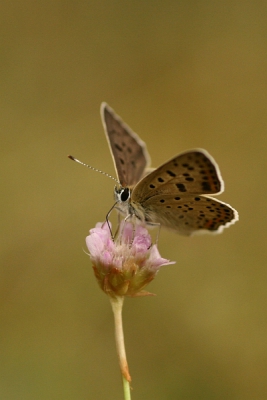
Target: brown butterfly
(173, 195)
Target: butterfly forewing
(189, 214)
(190, 172)
(128, 150)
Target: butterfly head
(122, 194)
(122, 197)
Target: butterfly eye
(125, 194)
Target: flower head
(125, 266)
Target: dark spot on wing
(118, 147)
(206, 186)
(181, 187)
(171, 173)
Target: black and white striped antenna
(94, 169)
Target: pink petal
(155, 260)
(106, 258)
(99, 240)
(127, 232)
(141, 245)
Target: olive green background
(182, 74)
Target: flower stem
(117, 304)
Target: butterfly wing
(172, 195)
(189, 214)
(128, 150)
(193, 171)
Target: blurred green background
(182, 74)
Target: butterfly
(176, 194)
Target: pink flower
(123, 267)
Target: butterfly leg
(107, 221)
(124, 222)
(157, 238)
(118, 225)
(133, 233)
(121, 226)
(155, 224)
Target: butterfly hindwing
(189, 214)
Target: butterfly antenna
(94, 169)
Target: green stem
(126, 389)
(117, 304)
